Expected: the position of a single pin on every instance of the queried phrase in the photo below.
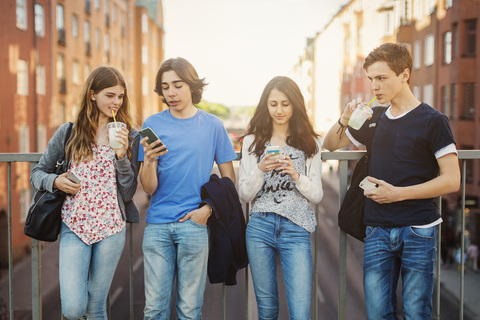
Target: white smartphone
(367, 185)
(73, 177)
(274, 151)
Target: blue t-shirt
(193, 144)
(403, 154)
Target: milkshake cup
(113, 127)
(359, 116)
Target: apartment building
(50, 48)
(444, 39)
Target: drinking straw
(113, 114)
(367, 103)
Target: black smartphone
(152, 137)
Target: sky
(239, 45)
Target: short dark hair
(396, 55)
(186, 72)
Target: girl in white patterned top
(280, 189)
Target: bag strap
(377, 113)
(68, 136)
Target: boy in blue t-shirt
(175, 240)
(413, 160)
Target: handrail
(342, 156)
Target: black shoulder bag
(350, 215)
(44, 215)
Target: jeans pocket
(197, 224)
(426, 233)
(369, 231)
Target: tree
(217, 109)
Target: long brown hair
(86, 121)
(301, 134)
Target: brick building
(50, 48)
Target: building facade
(50, 48)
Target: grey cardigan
(43, 175)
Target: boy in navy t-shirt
(413, 160)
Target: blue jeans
(86, 273)
(390, 252)
(269, 234)
(169, 248)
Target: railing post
(9, 222)
(342, 254)
(36, 271)
(462, 239)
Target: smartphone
(152, 137)
(73, 177)
(274, 151)
(366, 184)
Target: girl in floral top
(280, 189)
(95, 211)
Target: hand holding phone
(367, 185)
(152, 137)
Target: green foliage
(217, 109)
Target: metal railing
(342, 156)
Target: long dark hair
(301, 134)
(80, 146)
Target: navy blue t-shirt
(403, 154)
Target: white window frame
(74, 26)
(417, 47)
(21, 14)
(40, 79)
(60, 17)
(22, 77)
(429, 50)
(39, 20)
(428, 94)
(144, 23)
(447, 47)
(76, 72)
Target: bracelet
(342, 128)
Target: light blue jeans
(86, 273)
(390, 252)
(169, 248)
(269, 234)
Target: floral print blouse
(93, 214)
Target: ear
(92, 95)
(405, 75)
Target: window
(75, 72)
(39, 20)
(42, 137)
(97, 38)
(144, 86)
(428, 94)
(447, 47)
(144, 23)
(22, 14)
(469, 100)
(62, 85)
(429, 50)
(144, 55)
(97, 4)
(86, 31)
(23, 138)
(416, 54)
(74, 26)
(429, 6)
(416, 92)
(60, 17)
(107, 47)
(22, 77)
(448, 4)
(61, 25)
(446, 100)
(388, 23)
(86, 71)
(417, 10)
(40, 77)
(471, 25)
(454, 92)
